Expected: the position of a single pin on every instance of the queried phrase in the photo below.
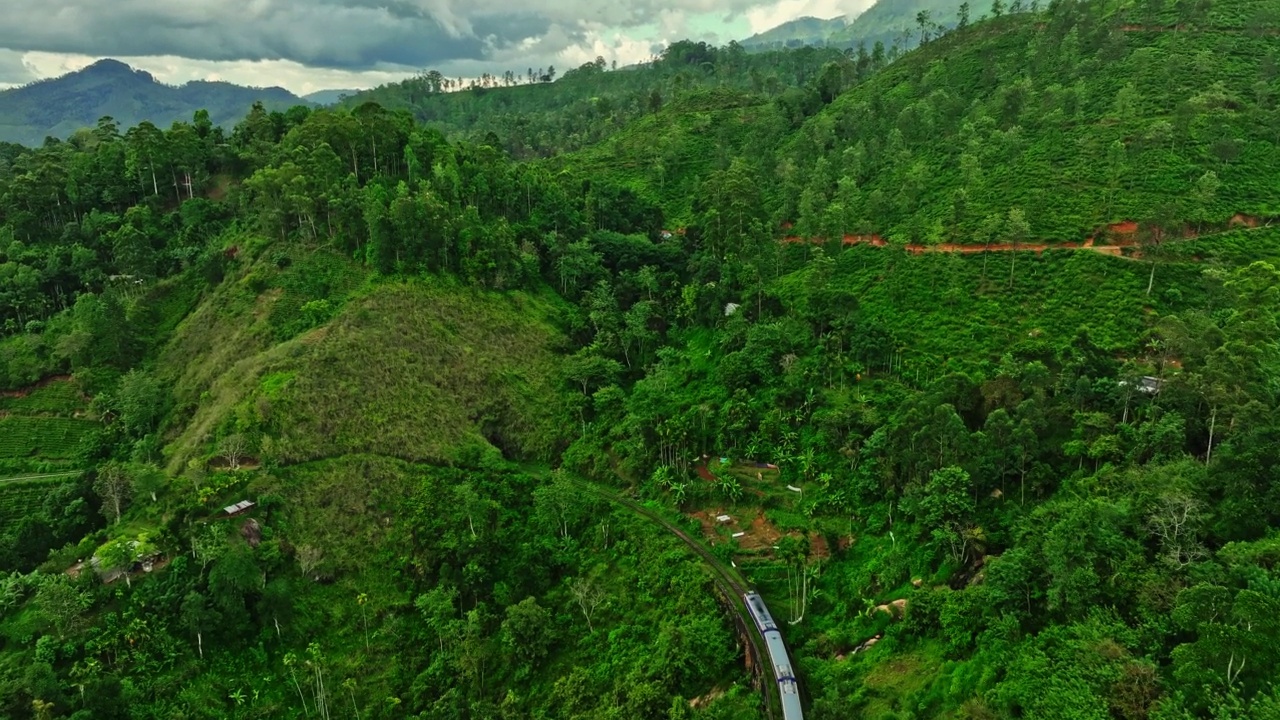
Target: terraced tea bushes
(51, 438)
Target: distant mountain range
(883, 22)
(60, 106)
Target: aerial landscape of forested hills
(966, 358)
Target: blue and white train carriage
(788, 688)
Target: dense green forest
(967, 358)
(541, 113)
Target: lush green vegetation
(54, 398)
(528, 115)
(55, 438)
(44, 443)
(977, 481)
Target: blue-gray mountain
(60, 106)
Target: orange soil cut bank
(1119, 235)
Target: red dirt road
(1119, 236)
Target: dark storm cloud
(349, 34)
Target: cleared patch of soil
(763, 534)
(818, 546)
(760, 533)
(705, 473)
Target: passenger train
(788, 688)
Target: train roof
(791, 709)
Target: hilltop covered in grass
(420, 371)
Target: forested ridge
(987, 484)
(540, 113)
(62, 106)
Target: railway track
(731, 585)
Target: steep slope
(892, 21)
(1077, 121)
(539, 114)
(58, 107)
(417, 371)
(1165, 128)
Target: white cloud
(173, 70)
(305, 45)
(13, 71)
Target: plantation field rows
(18, 498)
(46, 437)
(59, 396)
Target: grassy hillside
(421, 373)
(311, 363)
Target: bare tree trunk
(303, 698)
(1213, 421)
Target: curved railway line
(763, 651)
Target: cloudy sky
(308, 45)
